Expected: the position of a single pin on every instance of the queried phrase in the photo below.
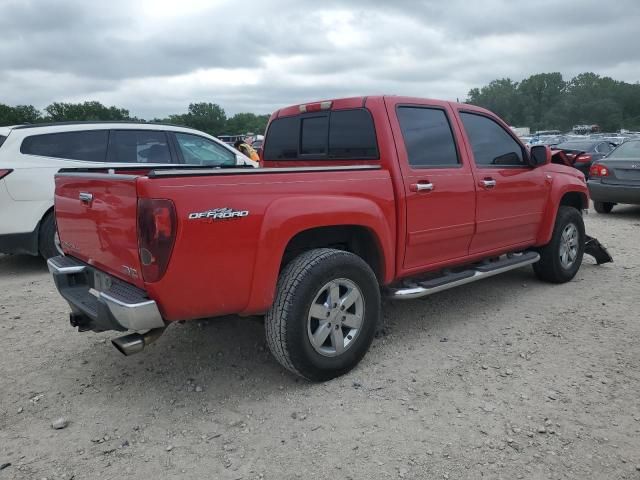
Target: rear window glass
(427, 137)
(2, 139)
(336, 135)
(627, 151)
(139, 146)
(315, 131)
(582, 146)
(89, 145)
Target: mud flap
(594, 248)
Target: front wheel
(325, 313)
(561, 258)
(603, 207)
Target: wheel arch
(571, 195)
(353, 224)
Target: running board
(472, 274)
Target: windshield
(626, 151)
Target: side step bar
(473, 273)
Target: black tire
(286, 323)
(603, 207)
(550, 268)
(46, 237)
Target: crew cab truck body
(356, 198)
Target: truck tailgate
(96, 216)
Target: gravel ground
(506, 378)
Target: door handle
(85, 197)
(488, 183)
(422, 187)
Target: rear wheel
(561, 258)
(325, 313)
(48, 243)
(603, 207)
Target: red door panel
(440, 199)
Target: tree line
(207, 117)
(546, 101)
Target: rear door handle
(85, 197)
(488, 183)
(422, 187)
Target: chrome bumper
(101, 302)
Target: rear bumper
(604, 192)
(20, 243)
(100, 302)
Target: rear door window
(336, 135)
(427, 137)
(139, 146)
(197, 150)
(90, 145)
(2, 139)
(491, 144)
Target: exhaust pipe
(135, 342)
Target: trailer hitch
(594, 248)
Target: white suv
(30, 156)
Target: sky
(154, 57)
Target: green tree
(247, 123)
(19, 114)
(501, 97)
(65, 112)
(207, 117)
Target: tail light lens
(5, 172)
(598, 170)
(584, 158)
(157, 225)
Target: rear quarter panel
(221, 267)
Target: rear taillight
(584, 158)
(5, 172)
(157, 225)
(598, 170)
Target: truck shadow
(12, 265)
(226, 360)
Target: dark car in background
(582, 153)
(616, 179)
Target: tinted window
(2, 139)
(89, 145)
(314, 135)
(198, 150)
(282, 139)
(351, 135)
(491, 144)
(340, 134)
(427, 137)
(139, 146)
(626, 151)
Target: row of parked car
(31, 155)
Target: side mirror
(539, 155)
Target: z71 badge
(219, 214)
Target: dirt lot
(506, 378)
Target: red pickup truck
(356, 198)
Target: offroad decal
(219, 214)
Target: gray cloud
(154, 57)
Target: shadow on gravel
(228, 359)
(21, 264)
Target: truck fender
(572, 193)
(286, 217)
